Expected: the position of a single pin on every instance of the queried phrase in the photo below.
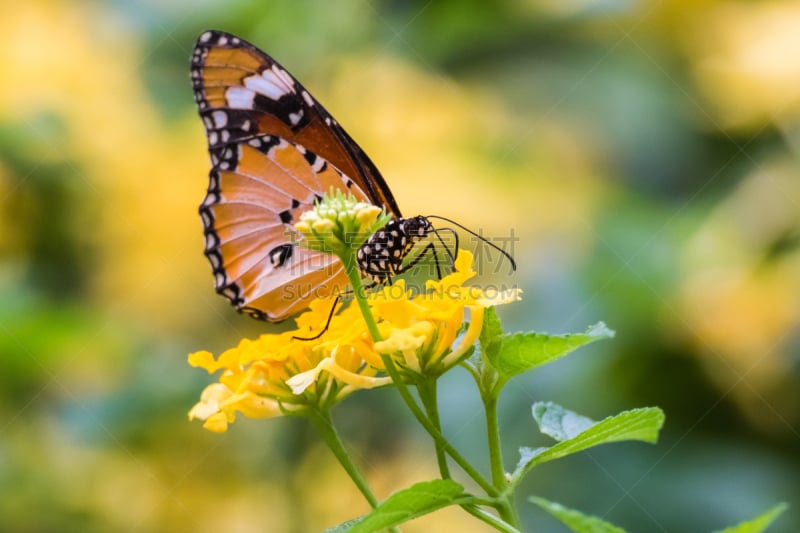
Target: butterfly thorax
(382, 255)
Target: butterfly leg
(327, 323)
(339, 298)
(429, 248)
(451, 254)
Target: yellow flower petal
(255, 406)
(204, 359)
(210, 401)
(359, 381)
(323, 225)
(300, 382)
(469, 338)
(499, 298)
(367, 215)
(401, 339)
(217, 423)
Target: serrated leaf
(636, 424)
(575, 520)
(559, 423)
(522, 352)
(407, 504)
(758, 524)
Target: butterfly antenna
(481, 237)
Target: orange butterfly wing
(241, 92)
(274, 151)
(256, 192)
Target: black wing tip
(217, 38)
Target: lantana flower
(326, 359)
(279, 374)
(421, 332)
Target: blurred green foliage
(646, 154)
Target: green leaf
(758, 524)
(576, 521)
(522, 352)
(636, 424)
(407, 504)
(559, 423)
(344, 527)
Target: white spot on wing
(294, 118)
(220, 118)
(308, 99)
(239, 98)
(205, 37)
(287, 79)
(268, 84)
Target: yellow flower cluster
(282, 374)
(420, 331)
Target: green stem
(493, 436)
(324, 424)
(354, 276)
(427, 393)
(484, 516)
(438, 438)
(506, 506)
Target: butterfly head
(416, 228)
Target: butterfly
(274, 152)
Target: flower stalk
(324, 424)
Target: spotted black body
(381, 257)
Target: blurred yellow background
(645, 154)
